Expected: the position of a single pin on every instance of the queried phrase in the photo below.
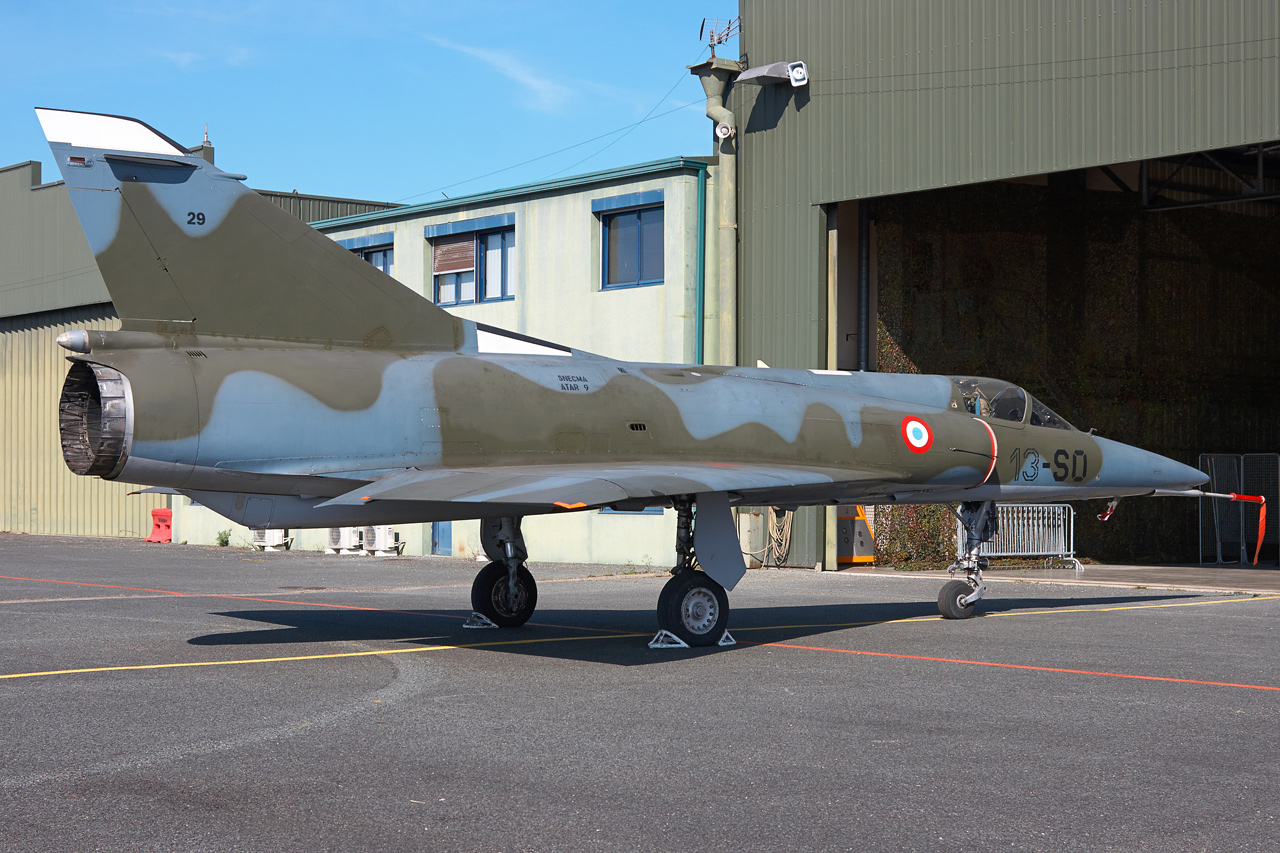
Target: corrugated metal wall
(39, 494)
(314, 208)
(917, 94)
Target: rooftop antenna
(717, 34)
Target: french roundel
(916, 434)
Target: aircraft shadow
(603, 636)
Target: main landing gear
(957, 597)
(503, 594)
(693, 609)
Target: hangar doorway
(1135, 299)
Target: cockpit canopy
(994, 398)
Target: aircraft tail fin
(186, 248)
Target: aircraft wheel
(491, 596)
(695, 608)
(665, 595)
(949, 600)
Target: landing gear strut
(693, 609)
(504, 594)
(957, 597)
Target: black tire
(949, 600)
(667, 587)
(695, 608)
(490, 596)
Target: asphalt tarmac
(197, 699)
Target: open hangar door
(1139, 299)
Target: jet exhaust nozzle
(95, 420)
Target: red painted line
(1015, 666)
(99, 585)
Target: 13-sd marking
(1066, 465)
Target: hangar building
(1080, 196)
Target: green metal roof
(621, 173)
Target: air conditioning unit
(381, 540)
(343, 540)
(272, 540)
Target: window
(633, 248)
(474, 267)
(382, 258)
(995, 398)
(1042, 415)
(374, 248)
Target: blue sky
(382, 99)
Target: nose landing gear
(957, 597)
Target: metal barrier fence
(1031, 530)
(1228, 529)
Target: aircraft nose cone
(1134, 470)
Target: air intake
(94, 420)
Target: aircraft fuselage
(315, 422)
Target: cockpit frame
(1003, 402)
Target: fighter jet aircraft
(271, 375)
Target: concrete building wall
(558, 268)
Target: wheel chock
(478, 620)
(664, 639)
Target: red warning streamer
(1262, 519)
(1262, 513)
(1231, 496)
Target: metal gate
(1031, 530)
(1260, 474)
(1228, 530)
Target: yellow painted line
(735, 629)
(375, 653)
(437, 648)
(1138, 606)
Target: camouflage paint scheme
(284, 382)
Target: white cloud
(183, 59)
(239, 57)
(235, 57)
(548, 94)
